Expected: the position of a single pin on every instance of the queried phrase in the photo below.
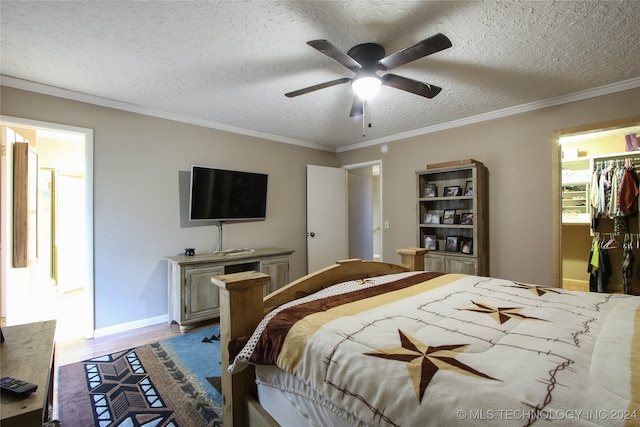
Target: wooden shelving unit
(459, 242)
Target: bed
(370, 343)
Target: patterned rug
(171, 383)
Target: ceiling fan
(368, 58)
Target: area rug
(171, 383)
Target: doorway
(344, 213)
(579, 151)
(365, 210)
(58, 284)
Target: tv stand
(235, 252)
(192, 296)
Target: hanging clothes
(594, 194)
(627, 265)
(615, 176)
(594, 197)
(599, 268)
(628, 197)
(621, 225)
(608, 178)
(602, 191)
(613, 200)
(615, 187)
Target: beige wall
(136, 176)
(137, 165)
(518, 152)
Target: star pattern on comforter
(518, 347)
(500, 314)
(537, 290)
(423, 361)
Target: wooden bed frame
(242, 307)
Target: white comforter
(421, 349)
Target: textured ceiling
(227, 64)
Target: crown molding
(524, 108)
(133, 108)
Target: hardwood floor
(80, 349)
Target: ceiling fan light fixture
(366, 87)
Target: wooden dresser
(28, 354)
(192, 296)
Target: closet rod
(613, 233)
(601, 160)
(599, 235)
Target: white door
(327, 216)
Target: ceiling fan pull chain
(364, 117)
(366, 111)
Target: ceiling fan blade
(410, 85)
(333, 52)
(421, 49)
(317, 87)
(357, 108)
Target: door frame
(556, 184)
(365, 165)
(89, 243)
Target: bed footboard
(412, 258)
(242, 307)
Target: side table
(27, 353)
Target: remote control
(17, 387)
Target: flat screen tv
(226, 195)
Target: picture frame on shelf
(452, 191)
(449, 216)
(431, 218)
(466, 246)
(430, 242)
(452, 244)
(430, 190)
(468, 189)
(466, 218)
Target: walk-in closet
(600, 220)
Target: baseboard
(124, 327)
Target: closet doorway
(581, 152)
(58, 283)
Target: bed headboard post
(239, 293)
(412, 258)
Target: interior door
(327, 216)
